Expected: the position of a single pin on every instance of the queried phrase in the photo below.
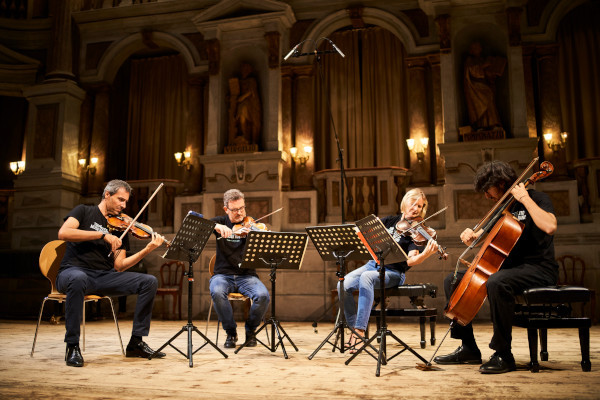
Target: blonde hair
(410, 198)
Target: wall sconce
(17, 167)
(419, 149)
(184, 159)
(298, 158)
(91, 167)
(555, 145)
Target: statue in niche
(480, 75)
(245, 112)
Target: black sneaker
(462, 355)
(230, 341)
(73, 356)
(142, 350)
(499, 364)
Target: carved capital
(443, 23)
(213, 50)
(513, 19)
(273, 48)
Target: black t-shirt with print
(230, 251)
(92, 254)
(534, 246)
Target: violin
(419, 233)
(141, 231)
(248, 224)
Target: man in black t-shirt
(531, 263)
(87, 268)
(229, 277)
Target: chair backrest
(50, 259)
(572, 270)
(211, 265)
(171, 274)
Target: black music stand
(273, 250)
(338, 243)
(380, 243)
(187, 246)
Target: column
(303, 125)
(516, 75)
(60, 57)
(99, 140)
(214, 141)
(195, 135)
(438, 117)
(50, 185)
(417, 120)
(286, 124)
(447, 81)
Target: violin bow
(139, 213)
(425, 219)
(269, 214)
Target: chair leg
(116, 323)
(83, 348)
(38, 326)
(584, 343)
(534, 366)
(422, 329)
(432, 321)
(208, 319)
(544, 344)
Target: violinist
(229, 277)
(366, 278)
(87, 268)
(529, 264)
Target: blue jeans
(248, 285)
(366, 280)
(77, 282)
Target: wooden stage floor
(256, 373)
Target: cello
(503, 233)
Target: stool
(544, 308)
(416, 293)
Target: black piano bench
(416, 292)
(543, 308)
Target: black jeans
(502, 287)
(77, 282)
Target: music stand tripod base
(338, 243)
(187, 245)
(273, 250)
(379, 241)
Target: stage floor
(257, 373)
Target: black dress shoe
(141, 349)
(73, 356)
(498, 364)
(250, 341)
(230, 341)
(461, 355)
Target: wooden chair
(171, 283)
(572, 272)
(231, 296)
(50, 259)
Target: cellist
(531, 263)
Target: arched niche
(494, 42)
(118, 52)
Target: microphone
(292, 51)
(336, 48)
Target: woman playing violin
(229, 277)
(366, 278)
(530, 263)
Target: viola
(141, 231)
(419, 233)
(503, 232)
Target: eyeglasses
(237, 210)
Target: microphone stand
(295, 53)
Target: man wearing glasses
(229, 277)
